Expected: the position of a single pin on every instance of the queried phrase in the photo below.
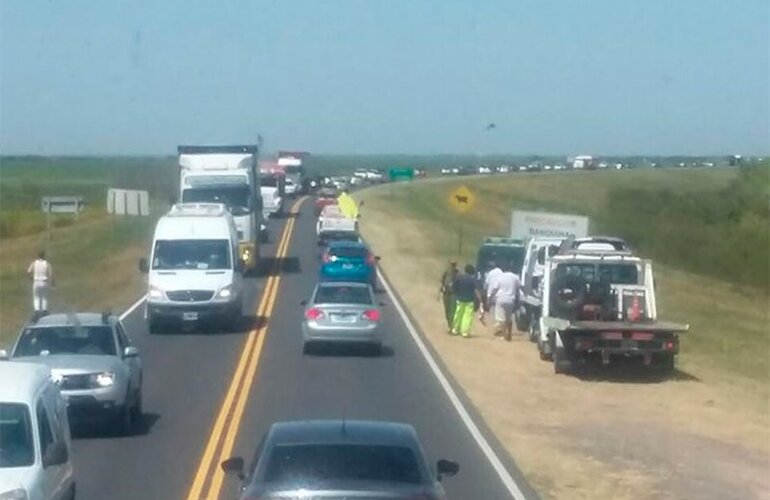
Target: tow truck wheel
(544, 356)
(665, 364)
(561, 361)
(534, 333)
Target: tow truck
(600, 305)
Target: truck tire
(522, 320)
(665, 364)
(567, 306)
(562, 361)
(153, 324)
(534, 329)
(544, 356)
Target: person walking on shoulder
(505, 296)
(467, 295)
(42, 280)
(446, 291)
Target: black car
(338, 459)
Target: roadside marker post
(461, 200)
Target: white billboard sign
(525, 225)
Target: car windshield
(16, 445)
(618, 274)
(93, 340)
(349, 252)
(502, 255)
(206, 255)
(340, 294)
(314, 463)
(237, 198)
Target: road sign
(462, 199)
(401, 174)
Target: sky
(653, 77)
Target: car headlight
(156, 293)
(225, 292)
(104, 379)
(17, 494)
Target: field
(707, 231)
(94, 256)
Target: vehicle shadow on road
(105, 431)
(631, 373)
(272, 266)
(349, 351)
(244, 325)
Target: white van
(194, 269)
(35, 444)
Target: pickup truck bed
(624, 326)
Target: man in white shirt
(490, 281)
(42, 279)
(505, 295)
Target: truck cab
(600, 305)
(228, 175)
(500, 250)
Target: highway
(209, 395)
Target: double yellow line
(222, 437)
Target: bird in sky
(491, 126)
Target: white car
(35, 445)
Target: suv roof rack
(198, 210)
(236, 148)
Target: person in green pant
(467, 293)
(447, 292)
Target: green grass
(94, 257)
(706, 230)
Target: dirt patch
(698, 435)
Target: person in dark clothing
(467, 295)
(446, 291)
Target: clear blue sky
(386, 76)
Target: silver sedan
(342, 312)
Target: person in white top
(42, 279)
(490, 281)
(505, 295)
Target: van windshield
(16, 448)
(237, 198)
(191, 254)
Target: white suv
(35, 444)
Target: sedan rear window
(95, 340)
(16, 447)
(349, 252)
(309, 463)
(331, 294)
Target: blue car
(349, 261)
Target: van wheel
(153, 325)
(544, 356)
(124, 422)
(136, 409)
(522, 321)
(71, 493)
(533, 330)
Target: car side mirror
(4, 355)
(130, 352)
(382, 304)
(55, 454)
(143, 266)
(303, 302)
(447, 468)
(234, 466)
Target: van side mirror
(377, 258)
(4, 355)
(130, 352)
(234, 466)
(143, 266)
(447, 468)
(55, 454)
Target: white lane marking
(133, 307)
(497, 464)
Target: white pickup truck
(599, 305)
(333, 225)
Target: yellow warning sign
(462, 199)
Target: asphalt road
(187, 376)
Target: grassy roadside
(571, 436)
(711, 305)
(94, 257)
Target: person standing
(490, 281)
(467, 295)
(505, 295)
(42, 279)
(446, 291)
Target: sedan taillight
(371, 315)
(314, 314)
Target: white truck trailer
(228, 175)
